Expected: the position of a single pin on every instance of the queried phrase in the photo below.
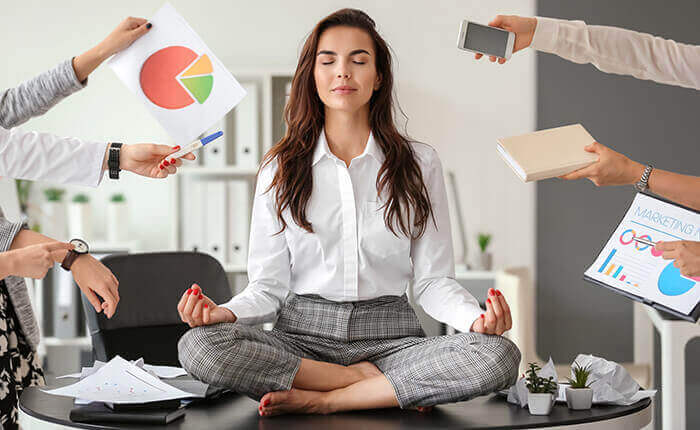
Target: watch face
(80, 246)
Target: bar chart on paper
(638, 268)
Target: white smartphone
(486, 40)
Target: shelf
(218, 171)
(235, 268)
(85, 341)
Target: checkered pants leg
(452, 368)
(245, 359)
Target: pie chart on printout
(176, 76)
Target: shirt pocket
(376, 238)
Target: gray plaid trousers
(423, 371)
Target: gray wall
(649, 122)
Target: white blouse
(351, 255)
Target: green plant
(538, 384)
(117, 198)
(484, 240)
(23, 188)
(54, 194)
(80, 198)
(581, 375)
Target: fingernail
(200, 297)
(498, 293)
(491, 293)
(149, 25)
(195, 292)
(206, 306)
(172, 161)
(266, 402)
(482, 315)
(189, 291)
(165, 163)
(488, 300)
(176, 147)
(160, 167)
(260, 408)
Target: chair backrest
(147, 323)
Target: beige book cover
(547, 153)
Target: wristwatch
(80, 247)
(643, 183)
(113, 160)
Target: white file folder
(239, 221)
(215, 218)
(193, 222)
(246, 128)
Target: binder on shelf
(217, 153)
(246, 126)
(193, 206)
(239, 195)
(66, 304)
(215, 220)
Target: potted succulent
(117, 218)
(79, 217)
(54, 212)
(541, 391)
(579, 395)
(485, 258)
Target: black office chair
(147, 323)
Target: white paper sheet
(637, 268)
(163, 68)
(120, 381)
(164, 372)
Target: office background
(453, 103)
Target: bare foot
(366, 369)
(293, 401)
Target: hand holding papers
(179, 79)
(121, 382)
(637, 270)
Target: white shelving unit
(271, 88)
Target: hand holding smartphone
(482, 39)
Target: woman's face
(345, 71)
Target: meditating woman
(349, 216)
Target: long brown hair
(399, 175)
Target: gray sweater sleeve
(37, 95)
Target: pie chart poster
(177, 77)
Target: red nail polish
(195, 292)
(498, 293)
(172, 161)
(189, 291)
(160, 167)
(488, 300)
(206, 306)
(266, 402)
(482, 315)
(165, 163)
(260, 408)
(176, 147)
(200, 297)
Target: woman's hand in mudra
(196, 309)
(497, 319)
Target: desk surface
(236, 411)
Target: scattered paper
(164, 372)
(518, 392)
(120, 381)
(611, 383)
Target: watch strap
(643, 183)
(113, 160)
(69, 259)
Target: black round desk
(39, 410)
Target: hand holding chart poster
(638, 270)
(178, 77)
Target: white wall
(458, 105)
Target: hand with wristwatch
(93, 278)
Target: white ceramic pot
(54, 223)
(486, 261)
(540, 403)
(579, 398)
(117, 222)
(79, 221)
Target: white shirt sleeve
(620, 51)
(269, 270)
(434, 286)
(49, 158)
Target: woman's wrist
(8, 264)
(634, 172)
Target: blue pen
(196, 145)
